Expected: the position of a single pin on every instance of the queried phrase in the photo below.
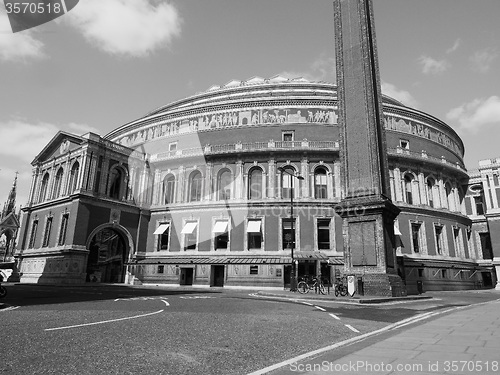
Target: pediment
(61, 144)
(10, 221)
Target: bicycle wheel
(3, 291)
(321, 288)
(343, 291)
(336, 291)
(302, 287)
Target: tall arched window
(320, 183)
(43, 188)
(255, 184)
(58, 183)
(430, 191)
(195, 187)
(73, 177)
(224, 185)
(408, 188)
(169, 189)
(115, 183)
(287, 185)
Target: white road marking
(320, 308)
(351, 328)
(10, 308)
(195, 297)
(334, 316)
(166, 303)
(140, 299)
(104, 321)
(307, 303)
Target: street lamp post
(293, 281)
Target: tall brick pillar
(366, 208)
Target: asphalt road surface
(125, 330)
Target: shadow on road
(34, 294)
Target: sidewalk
(465, 341)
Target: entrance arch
(108, 251)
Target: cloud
(432, 66)
(26, 140)
(476, 114)
(455, 46)
(403, 96)
(19, 46)
(321, 69)
(124, 27)
(481, 60)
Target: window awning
(396, 230)
(220, 226)
(161, 229)
(253, 226)
(189, 228)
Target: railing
(247, 147)
(424, 156)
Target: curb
(355, 300)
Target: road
(131, 330)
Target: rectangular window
(161, 269)
(288, 235)
(162, 232)
(48, 229)
(63, 229)
(443, 274)
(486, 247)
(172, 146)
(34, 228)
(404, 143)
(324, 234)
(438, 230)
(420, 272)
(254, 270)
(221, 236)
(478, 200)
(254, 233)
(190, 235)
(287, 136)
(415, 234)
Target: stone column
(239, 181)
(305, 191)
(397, 185)
(272, 179)
(337, 178)
(422, 189)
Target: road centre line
(307, 303)
(320, 308)
(334, 316)
(104, 321)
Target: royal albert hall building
(218, 188)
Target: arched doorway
(107, 256)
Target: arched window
(195, 187)
(57, 183)
(255, 184)
(169, 189)
(320, 183)
(430, 191)
(43, 188)
(408, 188)
(224, 185)
(73, 177)
(115, 183)
(287, 183)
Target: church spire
(10, 205)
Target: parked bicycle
(341, 287)
(306, 284)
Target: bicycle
(340, 288)
(304, 286)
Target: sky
(108, 62)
